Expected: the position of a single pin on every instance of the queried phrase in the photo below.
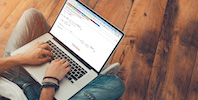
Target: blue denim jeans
(31, 25)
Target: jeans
(31, 25)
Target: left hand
(58, 68)
(37, 54)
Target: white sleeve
(10, 90)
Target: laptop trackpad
(37, 72)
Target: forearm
(47, 93)
(9, 62)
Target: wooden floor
(158, 56)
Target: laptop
(83, 38)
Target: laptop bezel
(74, 54)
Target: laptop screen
(86, 34)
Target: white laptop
(82, 37)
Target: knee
(32, 13)
(104, 87)
(115, 85)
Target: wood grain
(4, 5)
(192, 93)
(90, 3)
(162, 54)
(115, 11)
(45, 6)
(143, 25)
(112, 10)
(190, 38)
(159, 54)
(176, 53)
(55, 12)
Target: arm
(58, 69)
(47, 93)
(32, 57)
(9, 62)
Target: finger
(66, 64)
(56, 60)
(62, 61)
(37, 42)
(40, 43)
(67, 70)
(45, 46)
(47, 52)
(46, 59)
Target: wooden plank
(159, 69)
(45, 6)
(176, 52)
(115, 11)
(6, 7)
(192, 91)
(55, 12)
(144, 25)
(191, 38)
(52, 17)
(125, 46)
(90, 3)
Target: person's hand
(37, 54)
(58, 68)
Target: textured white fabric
(10, 90)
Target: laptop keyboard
(76, 70)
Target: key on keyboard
(76, 70)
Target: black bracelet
(52, 78)
(51, 85)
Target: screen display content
(86, 34)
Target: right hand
(33, 55)
(58, 68)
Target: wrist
(44, 82)
(15, 60)
(52, 78)
(52, 87)
(49, 82)
(9, 62)
(20, 59)
(47, 93)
